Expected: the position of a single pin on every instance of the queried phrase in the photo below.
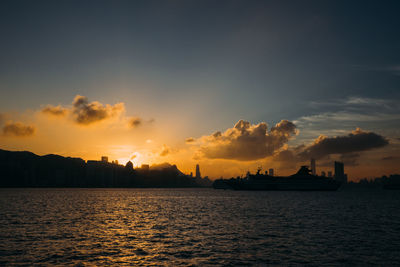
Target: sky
(230, 85)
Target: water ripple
(198, 227)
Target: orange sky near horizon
(125, 138)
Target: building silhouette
(329, 173)
(271, 172)
(104, 159)
(198, 175)
(313, 170)
(25, 169)
(339, 172)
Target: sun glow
(136, 158)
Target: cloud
(356, 141)
(246, 142)
(355, 103)
(346, 148)
(55, 110)
(85, 112)
(343, 116)
(338, 117)
(165, 151)
(18, 129)
(344, 113)
(135, 122)
(389, 158)
(190, 140)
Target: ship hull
(328, 185)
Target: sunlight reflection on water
(198, 227)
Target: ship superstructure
(303, 180)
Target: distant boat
(301, 181)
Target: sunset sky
(229, 85)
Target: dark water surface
(198, 227)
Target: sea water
(198, 227)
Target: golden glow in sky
(90, 129)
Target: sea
(199, 227)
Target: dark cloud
(18, 129)
(356, 141)
(55, 110)
(345, 148)
(135, 122)
(388, 158)
(247, 142)
(190, 140)
(85, 112)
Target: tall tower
(339, 172)
(313, 171)
(198, 175)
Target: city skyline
(228, 85)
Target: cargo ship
(303, 180)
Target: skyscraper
(313, 171)
(198, 175)
(339, 172)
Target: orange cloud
(55, 110)
(190, 140)
(246, 142)
(135, 122)
(18, 129)
(165, 151)
(85, 112)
